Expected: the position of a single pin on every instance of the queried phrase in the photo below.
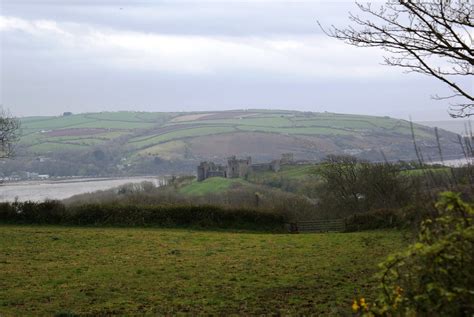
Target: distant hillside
(138, 142)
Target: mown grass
(105, 271)
(115, 125)
(126, 116)
(180, 134)
(41, 141)
(335, 124)
(122, 120)
(298, 173)
(251, 121)
(50, 146)
(168, 150)
(296, 131)
(57, 122)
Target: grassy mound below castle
(213, 185)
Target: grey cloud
(40, 77)
(208, 18)
(62, 86)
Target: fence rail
(331, 225)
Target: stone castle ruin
(287, 158)
(238, 168)
(210, 169)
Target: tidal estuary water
(62, 189)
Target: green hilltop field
(196, 136)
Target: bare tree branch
(433, 38)
(9, 133)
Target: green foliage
(49, 211)
(435, 275)
(215, 191)
(54, 212)
(299, 179)
(376, 219)
(353, 186)
(9, 133)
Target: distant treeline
(56, 213)
(367, 195)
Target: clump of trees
(255, 197)
(9, 133)
(353, 186)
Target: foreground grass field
(102, 271)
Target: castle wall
(274, 166)
(200, 174)
(238, 168)
(287, 158)
(209, 169)
(216, 174)
(261, 167)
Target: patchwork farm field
(129, 271)
(204, 135)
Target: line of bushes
(408, 217)
(376, 219)
(55, 212)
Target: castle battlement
(238, 168)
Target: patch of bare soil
(262, 146)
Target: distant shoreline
(40, 190)
(76, 180)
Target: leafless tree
(431, 37)
(9, 133)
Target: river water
(41, 190)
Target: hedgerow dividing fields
(137, 131)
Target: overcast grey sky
(98, 55)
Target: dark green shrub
(435, 275)
(47, 212)
(8, 213)
(54, 212)
(377, 219)
(353, 186)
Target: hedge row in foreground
(54, 212)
